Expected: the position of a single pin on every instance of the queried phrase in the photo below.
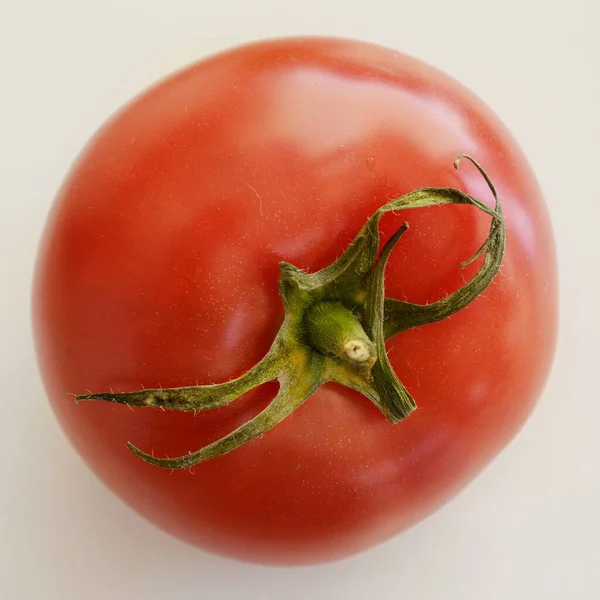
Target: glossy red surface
(159, 267)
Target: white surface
(528, 527)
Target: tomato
(159, 268)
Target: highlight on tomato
(294, 297)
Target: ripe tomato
(159, 268)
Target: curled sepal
(345, 278)
(205, 397)
(400, 315)
(296, 386)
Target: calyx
(335, 327)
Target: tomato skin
(159, 267)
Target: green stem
(335, 330)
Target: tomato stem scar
(336, 323)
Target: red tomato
(159, 268)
